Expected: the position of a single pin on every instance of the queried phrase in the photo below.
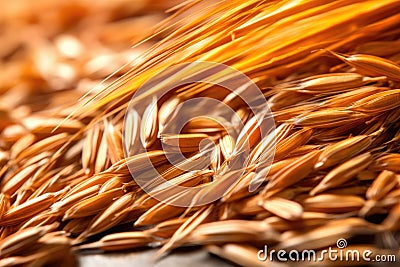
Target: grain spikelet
(184, 142)
(149, 124)
(197, 162)
(158, 213)
(347, 98)
(30, 208)
(292, 142)
(390, 162)
(326, 83)
(232, 231)
(249, 205)
(167, 228)
(4, 204)
(203, 125)
(21, 145)
(382, 185)
(250, 134)
(292, 173)
(87, 183)
(186, 229)
(14, 182)
(114, 142)
(139, 162)
(69, 200)
(379, 189)
(227, 144)
(378, 102)
(289, 113)
(343, 172)
(109, 217)
(267, 144)
(340, 151)
(114, 183)
(100, 153)
(41, 219)
(372, 65)
(286, 99)
(132, 134)
(284, 208)
(23, 239)
(92, 205)
(300, 151)
(327, 118)
(333, 203)
(46, 125)
(337, 133)
(167, 111)
(49, 143)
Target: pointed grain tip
(318, 189)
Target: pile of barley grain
(328, 69)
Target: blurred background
(53, 52)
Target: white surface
(199, 258)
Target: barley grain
(372, 65)
(342, 150)
(343, 172)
